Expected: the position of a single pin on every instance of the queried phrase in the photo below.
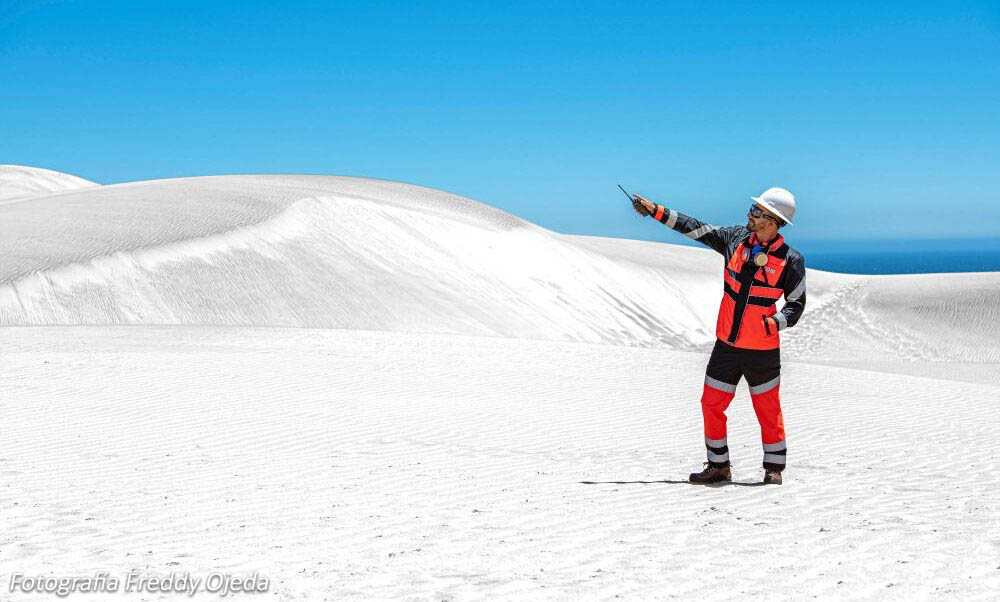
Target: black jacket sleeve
(707, 234)
(795, 291)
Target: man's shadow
(669, 482)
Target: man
(759, 269)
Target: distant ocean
(903, 256)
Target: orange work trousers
(762, 370)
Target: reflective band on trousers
(715, 445)
(723, 457)
(774, 458)
(764, 388)
(719, 385)
(772, 447)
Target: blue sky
(882, 119)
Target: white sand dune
(20, 182)
(311, 251)
(335, 252)
(466, 406)
(943, 325)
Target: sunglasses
(756, 211)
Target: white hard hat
(778, 201)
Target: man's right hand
(642, 206)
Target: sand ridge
(18, 183)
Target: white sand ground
(368, 390)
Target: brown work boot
(711, 475)
(772, 477)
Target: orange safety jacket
(748, 316)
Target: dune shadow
(671, 482)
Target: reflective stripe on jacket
(748, 316)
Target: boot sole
(693, 482)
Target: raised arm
(695, 229)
